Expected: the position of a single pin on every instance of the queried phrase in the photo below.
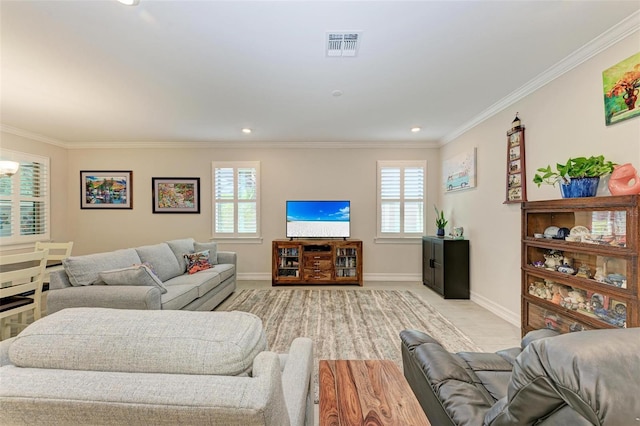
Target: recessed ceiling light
(246, 130)
(416, 129)
(130, 2)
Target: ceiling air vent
(344, 43)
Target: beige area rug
(347, 324)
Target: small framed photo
(176, 195)
(112, 189)
(514, 166)
(514, 152)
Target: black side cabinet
(445, 266)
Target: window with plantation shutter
(401, 198)
(24, 200)
(236, 199)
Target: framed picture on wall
(459, 172)
(176, 195)
(102, 189)
(516, 177)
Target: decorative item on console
(624, 180)
(441, 222)
(457, 233)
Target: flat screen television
(318, 219)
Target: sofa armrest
(537, 335)
(59, 279)
(104, 296)
(227, 257)
(296, 381)
(4, 351)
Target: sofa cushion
(162, 258)
(213, 250)
(198, 261)
(225, 270)
(85, 270)
(133, 275)
(178, 296)
(133, 341)
(204, 281)
(180, 248)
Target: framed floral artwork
(621, 84)
(106, 189)
(176, 195)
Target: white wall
(303, 173)
(563, 119)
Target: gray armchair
(582, 378)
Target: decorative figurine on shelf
(566, 269)
(584, 271)
(553, 259)
(624, 180)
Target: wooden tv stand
(316, 261)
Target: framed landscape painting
(106, 189)
(176, 195)
(621, 84)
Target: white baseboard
(491, 306)
(254, 276)
(393, 277)
(265, 276)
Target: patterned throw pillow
(197, 261)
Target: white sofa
(82, 282)
(96, 366)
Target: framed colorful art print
(176, 195)
(621, 84)
(102, 189)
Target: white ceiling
(98, 72)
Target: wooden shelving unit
(316, 262)
(600, 289)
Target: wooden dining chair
(20, 274)
(57, 253)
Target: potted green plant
(441, 222)
(578, 177)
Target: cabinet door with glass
(580, 263)
(286, 262)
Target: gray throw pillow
(133, 275)
(213, 250)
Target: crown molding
(618, 32)
(252, 145)
(34, 136)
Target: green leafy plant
(579, 167)
(441, 222)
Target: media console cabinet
(316, 261)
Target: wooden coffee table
(366, 392)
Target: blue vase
(580, 187)
(440, 232)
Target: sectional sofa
(94, 366)
(146, 277)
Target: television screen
(318, 219)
